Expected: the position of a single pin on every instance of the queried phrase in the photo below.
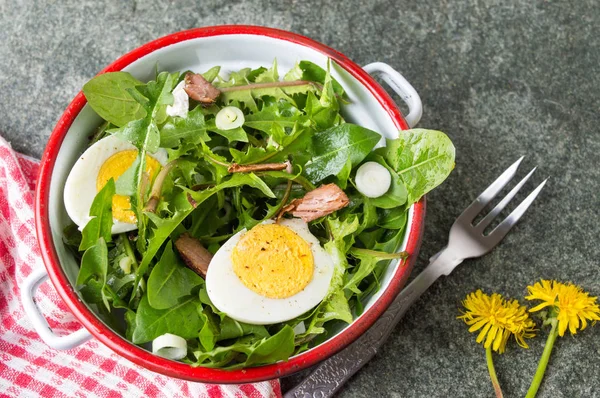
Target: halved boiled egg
(271, 273)
(108, 158)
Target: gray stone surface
(502, 78)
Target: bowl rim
(178, 369)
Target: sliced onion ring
(373, 180)
(169, 346)
(229, 118)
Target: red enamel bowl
(232, 47)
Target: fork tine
(502, 229)
(490, 192)
(500, 206)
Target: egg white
(231, 296)
(80, 187)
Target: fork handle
(330, 375)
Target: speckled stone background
(503, 78)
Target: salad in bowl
(234, 220)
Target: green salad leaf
(335, 146)
(191, 129)
(101, 222)
(182, 320)
(91, 280)
(216, 183)
(422, 158)
(170, 280)
(108, 95)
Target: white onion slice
(181, 101)
(373, 180)
(169, 346)
(299, 328)
(229, 118)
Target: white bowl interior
(231, 52)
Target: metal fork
(465, 241)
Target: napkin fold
(29, 368)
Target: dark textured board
(502, 78)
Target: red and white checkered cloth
(29, 368)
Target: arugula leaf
(170, 280)
(190, 129)
(91, 280)
(248, 97)
(313, 72)
(182, 320)
(164, 227)
(144, 134)
(236, 134)
(422, 158)
(101, 223)
(333, 147)
(108, 96)
(280, 113)
(269, 75)
(211, 74)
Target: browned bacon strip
(317, 203)
(200, 89)
(195, 256)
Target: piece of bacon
(317, 203)
(193, 254)
(200, 89)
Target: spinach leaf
(170, 280)
(101, 223)
(276, 348)
(393, 218)
(109, 97)
(396, 195)
(268, 350)
(333, 147)
(190, 129)
(182, 320)
(422, 158)
(91, 280)
(230, 329)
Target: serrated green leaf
(101, 222)
(190, 129)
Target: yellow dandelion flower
(573, 307)
(497, 319)
(569, 307)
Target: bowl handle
(402, 87)
(28, 289)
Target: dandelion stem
(539, 374)
(492, 370)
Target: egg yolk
(113, 168)
(273, 261)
